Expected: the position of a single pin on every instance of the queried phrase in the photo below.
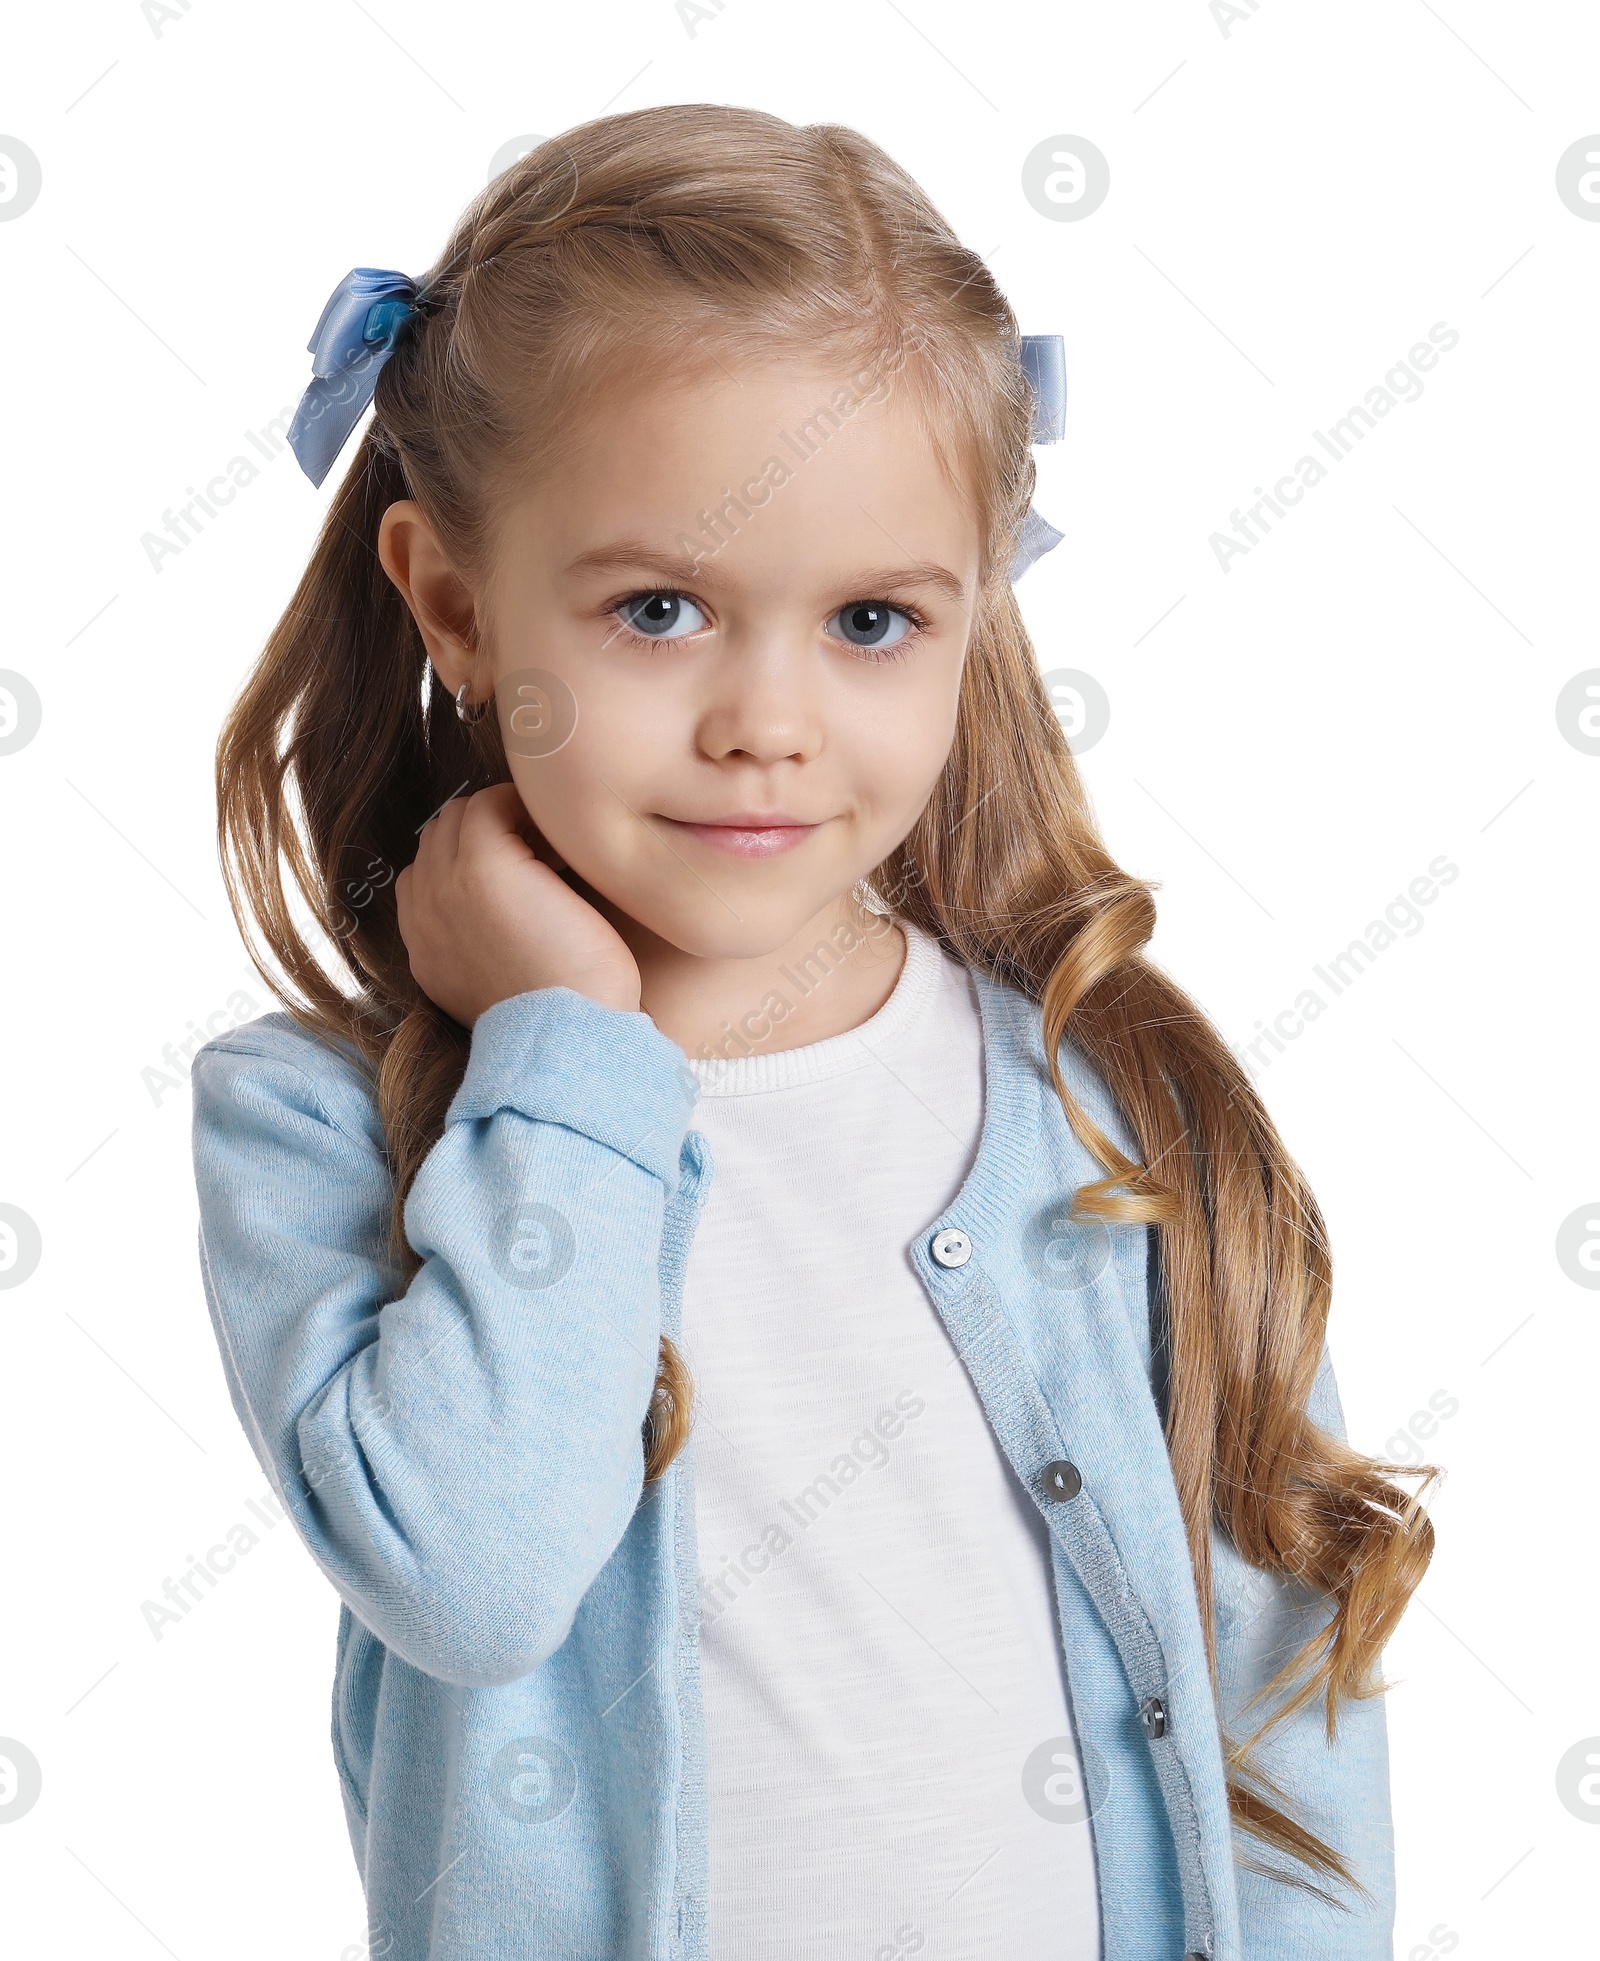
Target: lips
(747, 833)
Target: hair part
(640, 244)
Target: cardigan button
(1062, 1480)
(1153, 1717)
(950, 1247)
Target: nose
(765, 701)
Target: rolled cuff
(556, 1056)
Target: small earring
(470, 712)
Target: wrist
(616, 994)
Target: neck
(832, 975)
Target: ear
(440, 600)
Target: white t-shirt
(879, 1640)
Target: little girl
(799, 1349)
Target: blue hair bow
(353, 339)
(356, 335)
(1044, 362)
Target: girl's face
(726, 639)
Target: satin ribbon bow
(1044, 362)
(356, 335)
(352, 340)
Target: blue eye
(661, 615)
(869, 623)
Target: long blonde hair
(647, 238)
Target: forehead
(774, 470)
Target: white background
(1293, 204)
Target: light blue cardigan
(517, 1717)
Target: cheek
(584, 797)
(898, 750)
(561, 788)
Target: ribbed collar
(910, 998)
(1020, 1106)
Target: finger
(425, 859)
(492, 819)
(436, 844)
(403, 905)
(499, 808)
(546, 852)
(445, 827)
(509, 807)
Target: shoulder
(1014, 1049)
(273, 1071)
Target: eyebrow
(625, 556)
(628, 555)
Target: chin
(711, 932)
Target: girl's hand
(483, 918)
